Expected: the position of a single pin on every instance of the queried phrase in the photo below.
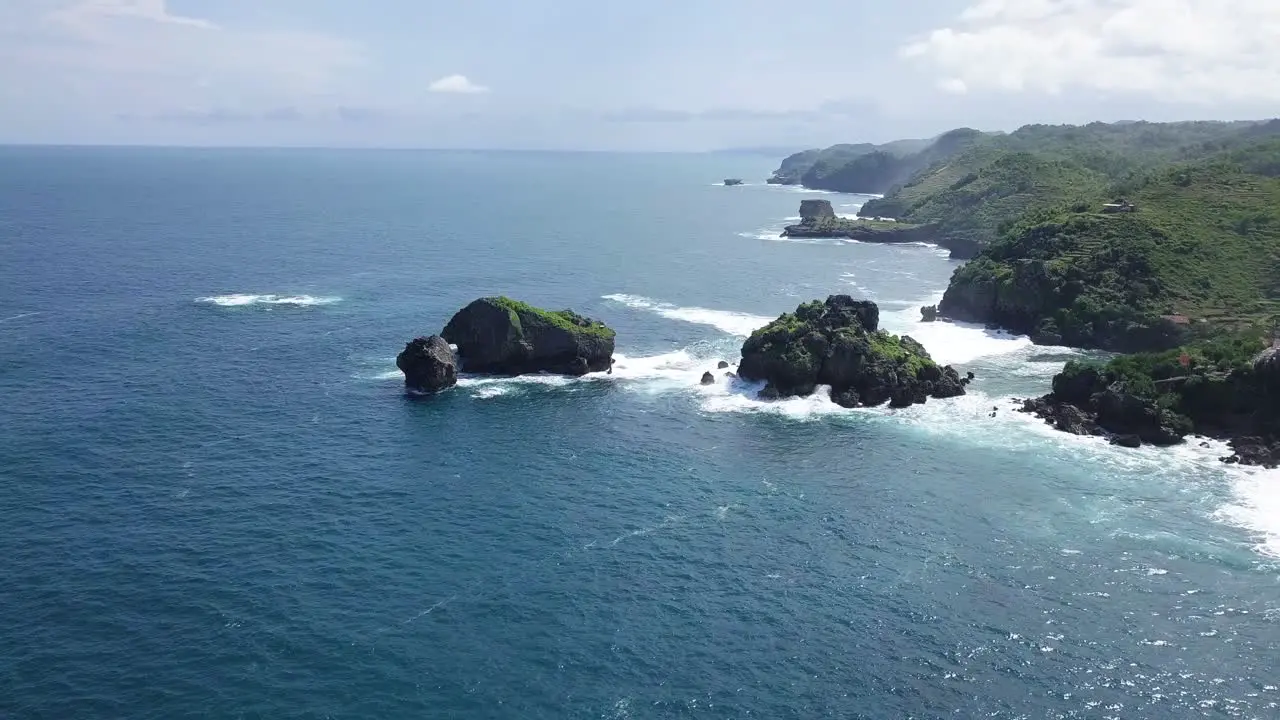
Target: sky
(657, 75)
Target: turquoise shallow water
(218, 502)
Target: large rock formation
(819, 220)
(428, 364)
(501, 336)
(816, 211)
(1088, 400)
(838, 343)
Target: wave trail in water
(247, 299)
(734, 323)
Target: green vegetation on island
(1227, 387)
(838, 343)
(1161, 240)
(523, 315)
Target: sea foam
(245, 299)
(733, 323)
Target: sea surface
(217, 500)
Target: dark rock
(769, 392)
(722, 365)
(1124, 413)
(818, 220)
(428, 364)
(816, 211)
(733, 181)
(1062, 416)
(1255, 451)
(847, 398)
(500, 336)
(929, 313)
(838, 343)
(708, 378)
(1129, 441)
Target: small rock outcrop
(501, 336)
(708, 378)
(1086, 401)
(722, 365)
(838, 343)
(819, 220)
(929, 313)
(733, 181)
(428, 365)
(816, 211)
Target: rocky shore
(1162, 400)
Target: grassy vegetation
(566, 320)
(1204, 384)
(894, 349)
(1203, 243)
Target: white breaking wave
(244, 299)
(734, 323)
(1255, 505)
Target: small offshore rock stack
(501, 336)
(428, 364)
(733, 181)
(838, 343)
(819, 220)
(929, 313)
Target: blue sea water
(218, 501)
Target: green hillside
(1203, 242)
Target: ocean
(219, 502)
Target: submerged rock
(838, 343)
(428, 364)
(501, 336)
(722, 365)
(708, 378)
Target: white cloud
(456, 84)
(104, 58)
(154, 10)
(1187, 51)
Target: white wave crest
(950, 342)
(733, 323)
(245, 299)
(1255, 505)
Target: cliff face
(1081, 280)
(793, 167)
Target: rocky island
(732, 181)
(838, 343)
(501, 336)
(819, 220)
